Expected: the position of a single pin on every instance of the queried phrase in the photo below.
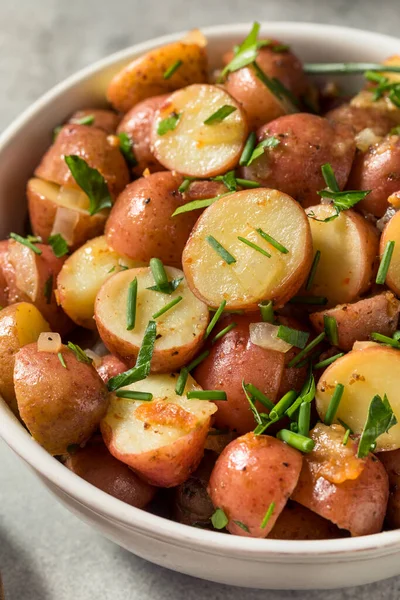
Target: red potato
(3, 280)
(378, 170)
(96, 465)
(162, 440)
(91, 144)
(193, 505)
(218, 439)
(356, 322)
(32, 278)
(107, 120)
(141, 225)
(202, 189)
(260, 104)
(110, 366)
(306, 142)
(59, 405)
(137, 124)
(391, 232)
(360, 118)
(391, 462)
(350, 492)
(250, 474)
(298, 523)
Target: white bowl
(206, 554)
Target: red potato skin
(91, 144)
(378, 170)
(252, 472)
(107, 120)
(192, 503)
(140, 224)
(137, 123)
(359, 118)
(3, 280)
(391, 462)
(294, 166)
(96, 465)
(357, 321)
(298, 523)
(111, 366)
(357, 505)
(234, 358)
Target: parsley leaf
(379, 420)
(91, 181)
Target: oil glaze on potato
(107, 120)
(59, 405)
(306, 142)
(180, 330)
(364, 373)
(20, 324)
(392, 233)
(358, 503)
(162, 440)
(299, 523)
(349, 248)
(96, 465)
(356, 322)
(91, 144)
(250, 474)
(391, 462)
(253, 277)
(192, 147)
(83, 274)
(141, 225)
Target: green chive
(197, 204)
(167, 307)
(320, 300)
(296, 359)
(131, 305)
(307, 394)
(384, 339)
(219, 249)
(284, 403)
(48, 289)
(385, 262)
(185, 185)
(58, 245)
(183, 375)
(334, 404)
(328, 361)
(267, 311)
(268, 515)
(331, 329)
(245, 53)
(270, 142)
(271, 240)
(277, 88)
(224, 332)
(294, 427)
(61, 359)
(242, 526)
(396, 335)
(258, 395)
(79, 353)
(86, 120)
(293, 336)
(304, 418)
(247, 183)
(343, 424)
(300, 442)
(329, 177)
(131, 395)
(126, 148)
(168, 124)
(348, 68)
(159, 274)
(217, 395)
(91, 181)
(248, 149)
(346, 437)
(313, 270)
(215, 318)
(25, 242)
(171, 70)
(219, 519)
(254, 246)
(220, 114)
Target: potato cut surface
(64, 196)
(194, 148)
(253, 277)
(392, 233)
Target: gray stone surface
(45, 552)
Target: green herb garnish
(183, 375)
(161, 278)
(270, 142)
(293, 336)
(167, 307)
(246, 52)
(219, 519)
(131, 305)
(172, 69)
(384, 339)
(328, 361)
(26, 242)
(331, 329)
(254, 246)
(379, 420)
(219, 249)
(58, 245)
(126, 148)
(132, 395)
(215, 318)
(185, 185)
(268, 515)
(258, 395)
(334, 404)
(385, 262)
(223, 332)
(276, 87)
(347, 68)
(283, 405)
(168, 124)
(80, 355)
(304, 419)
(307, 394)
(61, 359)
(91, 181)
(313, 270)
(220, 114)
(272, 241)
(197, 204)
(267, 311)
(213, 395)
(248, 149)
(296, 359)
(242, 526)
(300, 442)
(86, 120)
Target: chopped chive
(331, 329)
(294, 427)
(183, 375)
(385, 262)
(284, 403)
(48, 289)
(304, 418)
(300, 442)
(384, 339)
(343, 424)
(224, 332)
(219, 249)
(268, 515)
(172, 69)
(167, 307)
(329, 177)
(79, 353)
(293, 336)
(254, 246)
(215, 318)
(313, 270)
(328, 361)
(242, 526)
(320, 300)
(185, 185)
(111, 270)
(131, 305)
(307, 394)
(276, 87)
(91, 181)
(132, 395)
(396, 335)
(308, 360)
(25, 242)
(229, 180)
(58, 245)
(61, 359)
(258, 395)
(271, 240)
(247, 183)
(245, 53)
(220, 114)
(267, 311)
(346, 437)
(219, 519)
(172, 285)
(296, 359)
(248, 149)
(168, 124)
(86, 120)
(347, 68)
(195, 362)
(269, 142)
(257, 417)
(159, 274)
(334, 404)
(217, 395)
(126, 148)
(197, 204)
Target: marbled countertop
(45, 552)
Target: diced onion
(99, 348)
(366, 138)
(146, 173)
(363, 345)
(390, 211)
(97, 360)
(394, 200)
(49, 342)
(195, 36)
(65, 222)
(72, 198)
(265, 336)
(113, 140)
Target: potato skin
(3, 281)
(299, 523)
(361, 117)
(111, 366)
(391, 462)
(107, 120)
(252, 472)
(193, 505)
(96, 465)
(378, 170)
(137, 124)
(60, 406)
(140, 224)
(234, 358)
(357, 321)
(306, 143)
(91, 144)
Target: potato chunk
(253, 277)
(392, 233)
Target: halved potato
(364, 373)
(392, 233)
(349, 248)
(162, 440)
(299, 523)
(253, 277)
(144, 76)
(192, 147)
(180, 330)
(83, 274)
